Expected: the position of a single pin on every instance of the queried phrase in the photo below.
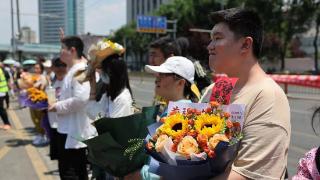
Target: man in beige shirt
(235, 47)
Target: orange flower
(208, 110)
(202, 140)
(214, 104)
(229, 124)
(211, 154)
(192, 133)
(150, 146)
(236, 124)
(226, 115)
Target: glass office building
(53, 14)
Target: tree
(285, 18)
(136, 43)
(315, 40)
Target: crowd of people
(234, 50)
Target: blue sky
(101, 16)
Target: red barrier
(299, 80)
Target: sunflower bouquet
(36, 95)
(34, 98)
(199, 143)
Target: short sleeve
(122, 105)
(264, 147)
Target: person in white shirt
(117, 99)
(60, 70)
(74, 125)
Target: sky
(101, 16)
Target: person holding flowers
(173, 82)
(74, 125)
(235, 47)
(116, 100)
(38, 82)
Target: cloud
(104, 17)
(101, 16)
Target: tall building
(28, 35)
(142, 7)
(67, 14)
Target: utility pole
(174, 27)
(18, 20)
(12, 33)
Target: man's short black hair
(242, 22)
(167, 46)
(74, 41)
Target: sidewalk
(19, 159)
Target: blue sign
(151, 24)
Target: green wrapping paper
(107, 149)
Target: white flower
(160, 142)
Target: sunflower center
(177, 127)
(208, 125)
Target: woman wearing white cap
(173, 82)
(174, 79)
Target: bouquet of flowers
(193, 143)
(108, 150)
(96, 54)
(34, 98)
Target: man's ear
(73, 50)
(246, 45)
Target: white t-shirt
(119, 107)
(53, 117)
(70, 107)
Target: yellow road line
(4, 151)
(38, 164)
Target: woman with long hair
(116, 100)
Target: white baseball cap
(176, 64)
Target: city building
(142, 7)
(67, 14)
(28, 35)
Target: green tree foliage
(283, 19)
(315, 40)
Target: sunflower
(36, 95)
(208, 124)
(175, 125)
